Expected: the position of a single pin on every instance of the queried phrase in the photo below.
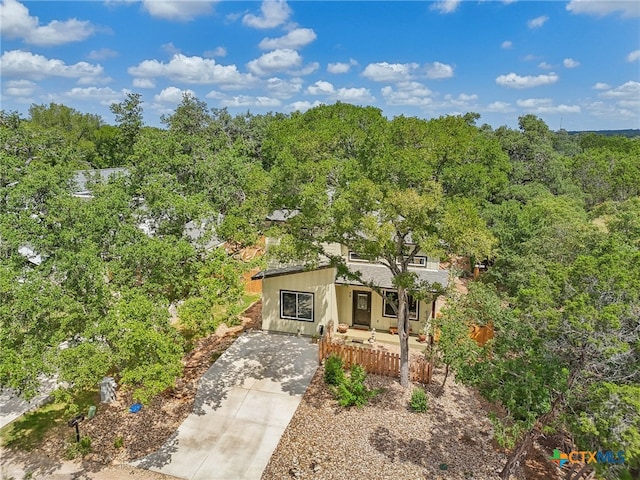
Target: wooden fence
(481, 334)
(252, 286)
(374, 361)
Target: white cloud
(19, 88)
(537, 22)
(570, 63)
(106, 96)
(463, 100)
(179, 10)
(280, 88)
(601, 86)
(629, 90)
(389, 72)
(507, 44)
(600, 8)
(439, 70)
(445, 6)
(216, 95)
(529, 58)
(216, 52)
(194, 70)
(355, 95)
(18, 63)
(407, 93)
(607, 110)
(276, 61)
(513, 80)
(320, 88)
(274, 13)
(499, 107)
(102, 54)
(294, 39)
(545, 66)
(633, 56)
(249, 101)
(303, 106)
(172, 95)
(15, 22)
(341, 67)
(144, 83)
(307, 69)
(545, 105)
(170, 48)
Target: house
(83, 178)
(199, 233)
(296, 299)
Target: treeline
(555, 218)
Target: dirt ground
(147, 430)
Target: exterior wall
(344, 297)
(319, 282)
(433, 263)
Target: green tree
(333, 164)
(128, 115)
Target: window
(296, 306)
(387, 308)
(355, 257)
(418, 261)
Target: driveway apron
(243, 405)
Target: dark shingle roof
(382, 276)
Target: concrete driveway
(243, 405)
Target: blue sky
(575, 64)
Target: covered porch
(361, 337)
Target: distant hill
(612, 133)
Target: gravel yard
(386, 439)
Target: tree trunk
(403, 333)
(446, 375)
(522, 448)
(519, 453)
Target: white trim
(418, 261)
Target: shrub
(78, 449)
(118, 442)
(352, 391)
(333, 372)
(419, 400)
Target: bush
(352, 391)
(78, 449)
(419, 400)
(333, 372)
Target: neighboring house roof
(195, 231)
(282, 215)
(31, 256)
(82, 178)
(381, 276)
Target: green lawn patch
(28, 432)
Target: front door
(361, 308)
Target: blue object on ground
(135, 408)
